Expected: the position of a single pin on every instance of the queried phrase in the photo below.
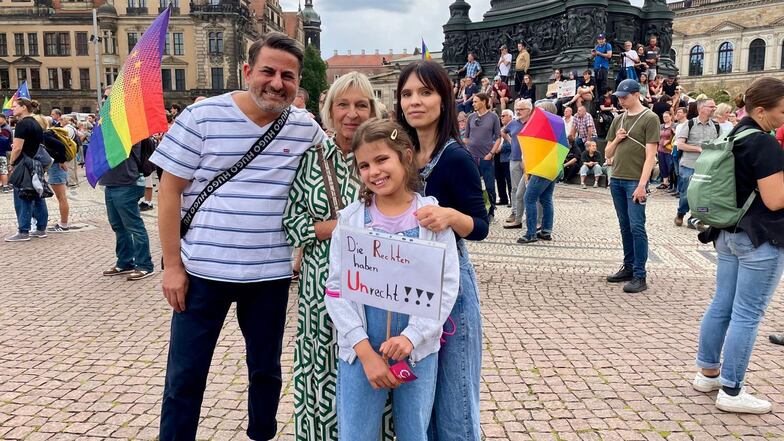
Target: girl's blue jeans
(360, 407)
(746, 278)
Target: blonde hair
(339, 87)
(396, 138)
(547, 106)
(41, 121)
(723, 109)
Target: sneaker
(636, 285)
(543, 236)
(145, 206)
(777, 339)
(623, 275)
(6, 189)
(57, 228)
(696, 224)
(525, 239)
(744, 402)
(513, 225)
(584, 187)
(38, 234)
(678, 220)
(139, 275)
(596, 184)
(117, 271)
(510, 219)
(705, 384)
(18, 237)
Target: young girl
(388, 203)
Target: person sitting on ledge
(592, 163)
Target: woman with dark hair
(527, 89)
(28, 136)
(750, 256)
(427, 111)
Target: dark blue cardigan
(456, 183)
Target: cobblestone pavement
(567, 356)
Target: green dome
(107, 9)
(309, 15)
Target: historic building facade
(725, 44)
(50, 44)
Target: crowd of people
(424, 170)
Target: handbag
(331, 184)
(259, 146)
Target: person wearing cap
(602, 54)
(504, 64)
(500, 92)
(632, 142)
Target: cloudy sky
(385, 24)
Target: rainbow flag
(134, 109)
(425, 51)
(22, 92)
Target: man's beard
(266, 106)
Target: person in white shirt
(630, 59)
(568, 122)
(504, 64)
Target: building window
(66, 73)
(165, 3)
(133, 37)
(377, 94)
(217, 78)
(179, 43)
(782, 54)
(81, 43)
(725, 58)
(167, 45)
(50, 44)
(109, 43)
(137, 3)
(21, 76)
(35, 78)
(84, 79)
(757, 55)
(32, 44)
(64, 43)
(166, 79)
(53, 79)
(5, 79)
(696, 58)
(111, 75)
(216, 42)
(3, 45)
(19, 44)
(179, 79)
(214, 2)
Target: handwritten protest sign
(391, 272)
(567, 88)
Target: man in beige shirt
(522, 64)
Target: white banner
(567, 88)
(392, 272)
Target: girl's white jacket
(349, 317)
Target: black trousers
(503, 180)
(518, 82)
(261, 313)
(601, 81)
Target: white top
(503, 68)
(630, 57)
(237, 234)
(568, 125)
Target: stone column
(455, 45)
(585, 19)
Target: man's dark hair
(484, 98)
(57, 111)
(276, 40)
(176, 107)
(522, 43)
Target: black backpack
(147, 149)
(54, 147)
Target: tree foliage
(314, 77)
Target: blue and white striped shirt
(237, 234)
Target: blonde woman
(723, 111)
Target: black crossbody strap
(226, 175)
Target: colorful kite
(544, 144)
(134, 109)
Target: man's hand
(397, 348)
(621, 134)
(639, 195)
(175, 286)
(489, 157)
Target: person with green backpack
(748, 233)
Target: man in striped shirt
(235, 249)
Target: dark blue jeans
(684, 177)
(631, 217)
(133, 245)
(26, 209)
(539, 190)
(261, 314)
(487, 171)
